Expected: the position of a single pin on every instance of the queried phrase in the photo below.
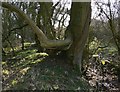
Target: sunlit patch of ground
(14, 68)
(30, 70)
(37, 71)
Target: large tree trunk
(79, 27)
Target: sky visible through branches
(95, 12)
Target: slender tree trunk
(13, 51)
(22, 39)
(46, 14)
(39, 48)
(79, 27)
(119, 28)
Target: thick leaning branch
(45, 42)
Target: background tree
(110, 14)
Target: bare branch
(45, 42)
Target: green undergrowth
(29, 70)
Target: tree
(76, 33)
(118, 37)
(110, 14)
(79, 27)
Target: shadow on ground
(29, 70)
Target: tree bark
(46, 10)
(119, 28)
(22, 39)
(79, 26)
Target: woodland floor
(29, 70)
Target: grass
(29, 70)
